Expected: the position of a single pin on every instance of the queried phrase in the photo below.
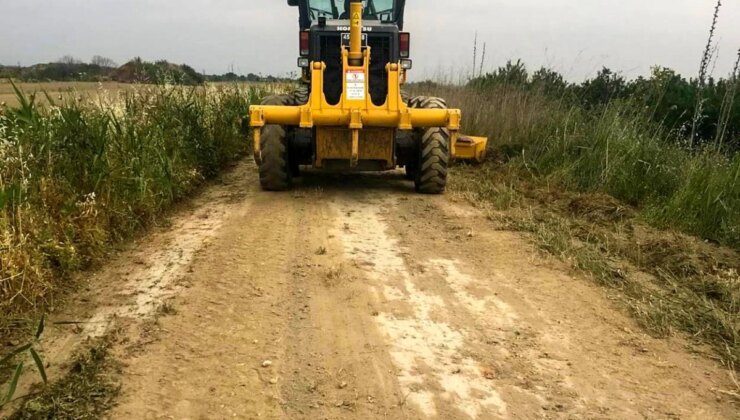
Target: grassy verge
(670, 282)
(616, 197)
(86, 392)
(78, 175)
(613, 149)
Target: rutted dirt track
(355, 298)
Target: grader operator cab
(350, 114)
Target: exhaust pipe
(355, 33)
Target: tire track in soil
(355, 298)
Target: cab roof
(305, 19)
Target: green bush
(665, 98)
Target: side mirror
(293, 2)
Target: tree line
(665, 96)
(103, 69)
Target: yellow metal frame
(355, 114)
(471, 148)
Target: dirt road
(354, 298)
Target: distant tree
(602, 89)
(668, 97)
(512, 74)
(160, 72)
(104, 62)
(549, 82)
(68, 59)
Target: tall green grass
(78, 175)
(615, 149)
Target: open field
(57, 89)
(94, 90)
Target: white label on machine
(355, 85)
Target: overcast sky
(576, 37)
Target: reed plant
(79, 173)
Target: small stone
(267, 363)
(343, 385)
(273, 381)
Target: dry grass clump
(87, 391)
(671, 282)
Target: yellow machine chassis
(356, 114)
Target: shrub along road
(355, 298)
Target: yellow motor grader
(350, 113)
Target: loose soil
(354, 298)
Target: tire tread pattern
(274, 170)
(434, 150)
(300, 95)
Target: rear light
(304, 43)
(407, 64)
(303, 62)
(404, 44)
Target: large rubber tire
(434, 151)
(431, 178)
(274, 162)
(275, 173)
(301, 94)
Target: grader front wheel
(275, 173)
(274, 159)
